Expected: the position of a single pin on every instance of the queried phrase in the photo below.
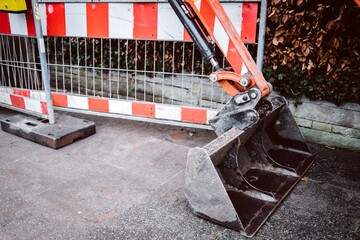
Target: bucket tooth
(239, 178)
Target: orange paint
(234, 58)
(55, 17)
(59, 100)
(100, 105)
(193, 115)
(44, 108)
(145, 20)
(17, 101)
(97, 19)
(143, 109)
(21, 92)
(249, 23)
(187, 36)
(208, 15)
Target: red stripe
(249, 15)
(25, 93)
(145, 20)
(30, 19)
(17, 101)
(101, 105)
(44, 108)
(187, 36)
(59, 100)
(234, 58)
(143, 109)
(193, 115)
(5, 23)
(55, 17)
(97, 20)
(208, 15)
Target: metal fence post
(44, 70)
(262, 32)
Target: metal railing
(19, 62)
(153, 71)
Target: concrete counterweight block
(65, 131)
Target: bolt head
(253, 95)
(237, 99)
(213, 77)
(244, 82)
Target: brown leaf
(306, 52)
(319, 40)
(328, 69)
(285, 18)
(310, 65)
(275, 41)
(330, 25)
(274, 2)
(302, 59)
(279, 32)
(281, 40)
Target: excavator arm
(245, 74)
(239, 178)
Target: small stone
(305, 178)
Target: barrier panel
(20, 71)
(131, 59)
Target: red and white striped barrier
(155, 21)
(32, 100)
(134, 108)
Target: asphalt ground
(127, 182)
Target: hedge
(313, 49)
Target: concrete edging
(328, 124)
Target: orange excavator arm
(357, 2)
(245, 74)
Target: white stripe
(18, 23)
(5, 98)
(75, 19)
(7, 90)
(234, 11)
(32, 105)
(121, 20)
(42, 9)
(210, 114)
(38, 95)
(221, 36)
(120, 107)
(78, 102)
(244, 69)
(197, 4)
(168, 112)
(169, 26)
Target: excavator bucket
(238, 179)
